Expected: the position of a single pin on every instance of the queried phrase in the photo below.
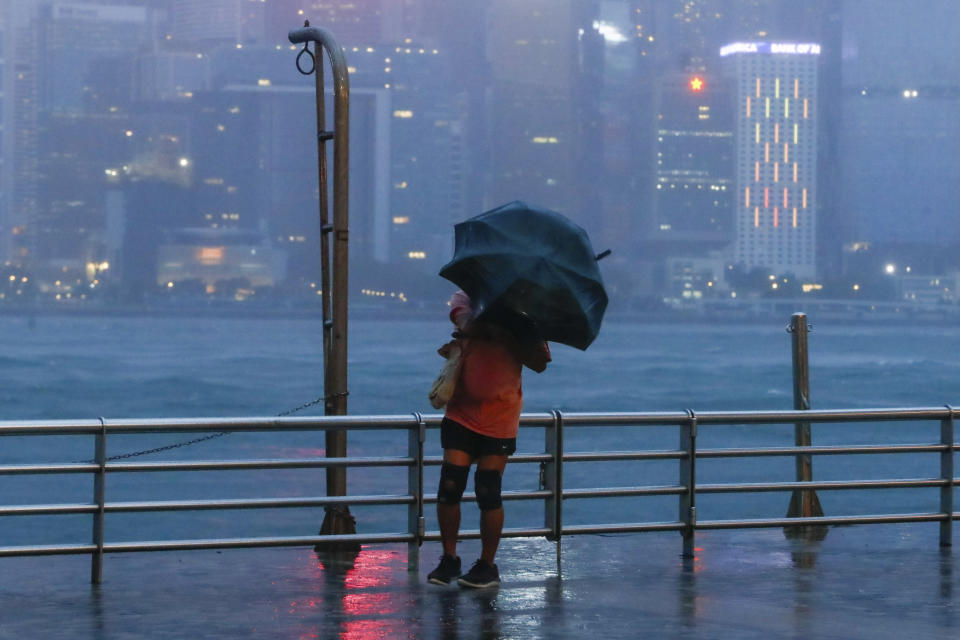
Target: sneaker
(448, 569)
(481, 575)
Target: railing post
(99, 493)
(552, 479)
(947, 438)
(415, 519)
(688, 478)
(804, 503)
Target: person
(480, 426)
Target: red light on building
(696, 84)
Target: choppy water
(178, 367)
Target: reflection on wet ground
(867, 581)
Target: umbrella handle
(603, 254)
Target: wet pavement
(881, 581)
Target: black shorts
(454, 435)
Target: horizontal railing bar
(620, 456)
(46, 509)
(824, 520)
(247, 543)
(237, 465)
(474, 534)
(387, 422)
(307, 463)
(256, 503)
(822, 415)
(626, 419)
(620, 492)
(38, 469)
(189, 425)
(436, 461)
(50, 427)
(237, 543)
(822, 450)
(756, 417)
(506, 495)
(582, 529)
(47, 550)
(742, 487)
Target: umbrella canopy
(522, 265)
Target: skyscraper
(776, 155)
(537, 110)
(224, 22)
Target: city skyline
(112, 109)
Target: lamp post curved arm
(334, 293)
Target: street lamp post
(337, 520)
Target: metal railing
(552, 463)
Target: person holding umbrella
(480, 426)
(527, 275)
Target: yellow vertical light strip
(748, 106)
(757, 133)
(786, 108)
(776, 217)
(794, 171)
(776, 133)
(794, 217)
(796, 133)
(767, 108)
(756, 171)
(766, 197)
(758, 86)
(806, 108)
(746, 197)
(766, 152)
(786, 197)
(786, 152)
(776, 172)
(776, 88)
(756, 216)
(796, 88)
(804, 203)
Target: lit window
(210, 255)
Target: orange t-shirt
(488, 397)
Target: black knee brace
(487, 484)
(453, 480)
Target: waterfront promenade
(878, 581)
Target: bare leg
(491, 521)
(448, 515)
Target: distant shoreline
(746, 313)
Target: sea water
(62, 367)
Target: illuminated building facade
(695, 152)
(230, 263)
(776, 161)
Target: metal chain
(305, 405)
(134, 454)
(185, 443)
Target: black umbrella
(524, 265)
